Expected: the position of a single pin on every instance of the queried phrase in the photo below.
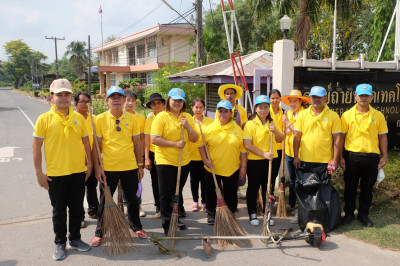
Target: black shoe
(364, 219)
(347, 219)
(210, 219)
(181, 225)
(166, 231)
(182, 212)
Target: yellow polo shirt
(147, 129)
(289, 134)
(89, 127)
(241, 111)
(317, 140)
(224, 145)
(259, 135)
(364, 137)
(167, 126)
(278, 123)
(193, 146)
(63, 155)
(140, 119)
(118, 149)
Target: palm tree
(77, 53)
(308, 9)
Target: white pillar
(283, 66)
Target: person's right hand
(296, 163)
(285, 119)
(147, 164)
(269, 155)
(180, 144)
(209, 164)
(43, 180)
(100, 175)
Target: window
(113, 81)
(126, 77)
(115, 57)
(132, 56)
(152, 49)
(141, 55)
(143, 77)
(133, 75)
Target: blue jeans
(292, 180)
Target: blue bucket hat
(177, 94)
(317, 91)
(364, 89)
(224, 104)
(115, 89)
(262, 99)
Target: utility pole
(55, 43)
(90, 68)
(199, 33)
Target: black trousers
(129, 184)
(276, 164)
(154, 181)
(257, 173)
(67, 191)
(228, 186)
(197, 176)
(91, 194)
(167, 176)
(360, 168)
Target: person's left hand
(185, 123)
(272, 127)
(243, 172)
(140, 173)
(382, 163)
(88, 171)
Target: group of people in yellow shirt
(315, 137)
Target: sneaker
(83, 223)
(271, 222)
(79, 245)
(59, 252)
(210, 219)
(93, 216)
(141, 212)
(203, 208)
(195, 207)
(157, 215)
(295, 219)
(253, 219)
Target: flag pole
(102, 41)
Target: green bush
(95, 88)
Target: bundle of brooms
(173, 225)
(225, 222)
(281, 211)
(117, 239)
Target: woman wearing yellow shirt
(256, 139)
(197, 172)
(224, 140)
(276, 114)
(156, 103)
(166, 135)
(297, 104)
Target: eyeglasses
(84, 102)
(117, 123)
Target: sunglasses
(117, 123)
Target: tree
(77, 53)
(111, 38)
(20, 58)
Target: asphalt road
(26, 228)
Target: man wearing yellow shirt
(63, 131)
(118, 137)
(81, 102)
(318, 137)
(365, 138)
(156, 103)
(232, 93)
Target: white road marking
(30, 121)
(7, 154)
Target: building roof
(165, 29)
(257, 60)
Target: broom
(225, 222)
(260, 203)
(173, 225)
(268, 210)
(117, 239)
(281, 211)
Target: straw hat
(223, 88)
(295, 94)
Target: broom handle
(95, 141)
(218, 191)
(178, 180)
(283, 151)
(270, 165)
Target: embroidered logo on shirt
(325, 119)
(373, 120)
(126, 124)
(235, 133)
(75, 123)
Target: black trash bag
(317, 199)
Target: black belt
(362, 154)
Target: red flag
(100, 10)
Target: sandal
(96, 241)
(141, 234)
(195, 207)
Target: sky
(32, 20)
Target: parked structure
(140, 54)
